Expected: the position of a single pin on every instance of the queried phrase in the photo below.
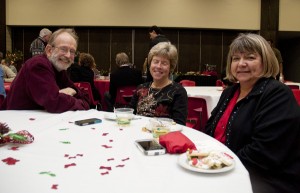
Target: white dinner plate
(183, 161)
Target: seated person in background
(43, 83)
(258, 118)
(74, 70)
(124, 75)
(87, 63)
(2, 89)
(8, 75)
(9, 64)
(162, 97)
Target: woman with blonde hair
(162, 97)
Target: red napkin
(176, 142)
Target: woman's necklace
(155, 90)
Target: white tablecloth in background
(210, 93)
(131, 171)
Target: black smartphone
(88, 121)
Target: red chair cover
(197, 113)
(124, 95)
(187, 83)
(87, 88)
(296, 93)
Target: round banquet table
(102, 157)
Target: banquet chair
(1, 99)
(124, 95)
(293, 86)
(197, 113)
(219, 82)
(86, 86)
(296, 93)
(187, 83)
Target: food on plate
(206, 159)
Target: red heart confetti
(110, 159)
(72, 157)
(105, 168)
(104, 134)
(120, 166)
(111, 140)
(31, 119)
(79, 155)
(120, 129)
(66, 155)
(10, 161)
(125, 159)
(104, 173)
(93, 128)
(71, 122)
(68, 165)
(54, 186)
(15, 148)
(106, 146)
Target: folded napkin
(176, 142)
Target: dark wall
(196, 47)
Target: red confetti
(104, 134)
(31, 119)
(125, 159)
(72, 157)
(111, 140)
(10, 161)
(120, 129)
(15, 148)
(93, 128)
(105, 168)
(104, 173)
(106, 146)
(54, 186)
(68, 165)
(110, 159)
(71, 122)
(66, 155)
(120, 166)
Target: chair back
(1, 99)
(296, 93)
(86, 86)
(219, 82)
(187, 83)
(293, 86)
(124, 95)
(197, 113)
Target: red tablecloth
(102, 86)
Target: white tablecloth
(101, 158)
(210, 93)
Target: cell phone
(150, 147)
(88, 121)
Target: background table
(210, 93)
(101, 158)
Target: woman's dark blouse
(170, 102)
(264, 131)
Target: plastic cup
(160, 126)
(124, 116)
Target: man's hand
(68, 91)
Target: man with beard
(43, 83)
